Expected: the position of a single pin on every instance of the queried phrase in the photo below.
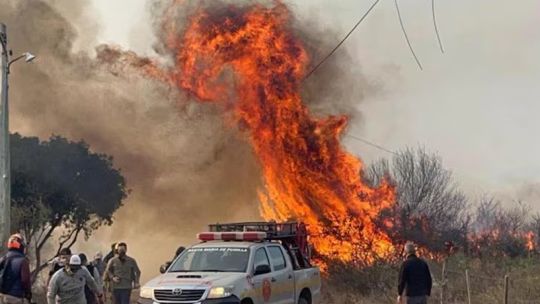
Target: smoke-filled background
(476, 105)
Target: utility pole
(5, 150)
(5, 163)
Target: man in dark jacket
(16, 286)
(414, 278)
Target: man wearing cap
(16, 286)
(414, 278)
(123, 273)
(67, 285)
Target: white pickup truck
(236, 268)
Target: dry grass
(377, 284)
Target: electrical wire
(342, 40)
(372, 144)
(435, 26)
(406, 36)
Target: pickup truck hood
(202, 279)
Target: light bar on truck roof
(250, 236)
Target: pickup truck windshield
(212, 259)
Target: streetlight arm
(15, 59)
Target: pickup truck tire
(246, 301)
(303, 301)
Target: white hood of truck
(195, 279)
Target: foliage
(60, 186)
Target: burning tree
(60, 188)
(430, 208)
(503, 231)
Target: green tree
(61, 188)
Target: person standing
(123, 273)
(168, 264)
(59, 262)
(67, 285)
(91, 297)
(106, 280)
(414, 278)
(111, 254)
(99, 263)
(16, 285)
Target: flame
(530, 241)
(249, 58)
(489, 241)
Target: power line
(342, 40)
(435, 25)
(372, 144)
(406, 36)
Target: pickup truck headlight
(220, 292)
(147, 293)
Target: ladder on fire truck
(292, 235)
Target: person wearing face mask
(123, 273)
(67, 285)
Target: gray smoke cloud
(185, 168)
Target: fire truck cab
(241, 263)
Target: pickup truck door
(262, 283)
(282, 276)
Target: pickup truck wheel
(303, 301)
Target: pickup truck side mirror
(262, 269)
(163, 268)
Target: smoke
(336, 87)
(185, 167)
(530, 193)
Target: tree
(503, 231)
(430, 208)
(59, 187)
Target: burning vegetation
(248, 59)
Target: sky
(476, 105)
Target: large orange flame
(249, 57)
